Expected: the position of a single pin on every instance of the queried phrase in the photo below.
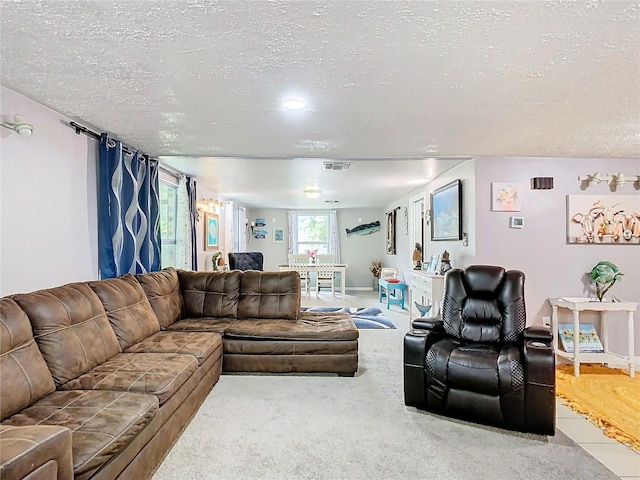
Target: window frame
(304, 246)
(173, 186)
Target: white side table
(576, 305)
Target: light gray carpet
(285, 427)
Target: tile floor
(622, 461)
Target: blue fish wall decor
(364, 229)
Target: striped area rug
(362, 317)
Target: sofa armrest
(35, 453)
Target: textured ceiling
(382, 79)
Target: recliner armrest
(36, 452)
(540, 374)
(429, 323)
(538, 334)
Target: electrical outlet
(546, 322)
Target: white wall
(460, 254)
(358, 251)
(48, 208)
(274, 253)
(204, 256)
(553, 267)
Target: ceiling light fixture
(312, 192)
(208, 205)
(19, 125)
(294, 104)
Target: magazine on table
(588, 341)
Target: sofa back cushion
(24, 377)
(269, 295)
(128, 309)
(71, 328)
(163, 292)
(210, 294)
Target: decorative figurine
(417, 256)
(445, 263)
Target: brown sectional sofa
(98, 379)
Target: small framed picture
(211, 231)
(505, 197)
(434, 264)
(278, 235)
(516, 222)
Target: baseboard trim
(360, 288)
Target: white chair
(325, 272)
(297, 262)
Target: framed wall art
(446, 212)
(278, 235)
(603, 219)
(505, 197)
(391, 232)
(211, 229)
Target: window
(313, 232)
(168, 213)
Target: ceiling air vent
(336, 165)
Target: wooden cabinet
(426, 289)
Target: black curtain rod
(90, 133)
(80, 129)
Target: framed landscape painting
(446, 212)
(211, 229)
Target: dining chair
(297, 262)
(325, 272)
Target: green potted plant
(216, 260)
(604, 274)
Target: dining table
(338, 267)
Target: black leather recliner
(246, 261)
(478, 361)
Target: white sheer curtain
(292, 218)
(184, 232)
(334, 235)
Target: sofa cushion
(199, 344)
(306, 328)
(158, 374)
(163, 291)
(210, 294)
(128, 309)
(25, 377)
(71, 328)
(269, 295)
(204, 324)
(102, 423)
